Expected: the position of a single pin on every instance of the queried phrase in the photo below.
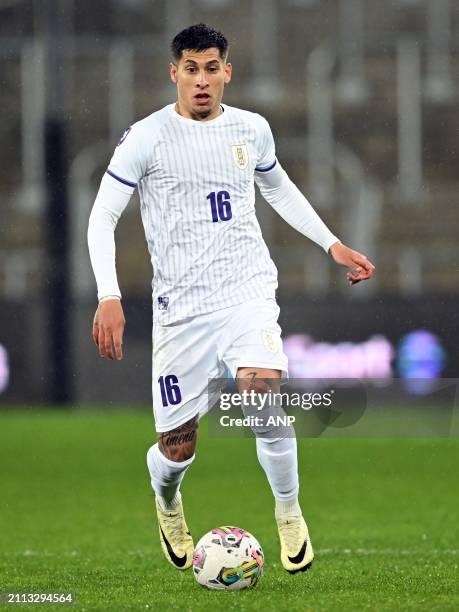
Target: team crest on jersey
(240, 155)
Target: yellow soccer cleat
(296, 548)
(176, 540)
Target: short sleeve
(266, 148)
(129, 162)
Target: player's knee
(179, 444)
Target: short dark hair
(198, 38)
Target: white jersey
(196, 187)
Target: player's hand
(360, 267)
(108, 329)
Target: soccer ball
(228, 558)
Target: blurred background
(362, 97)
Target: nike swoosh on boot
(178, 561)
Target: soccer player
(194, 163)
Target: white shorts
(187, 354)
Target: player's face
(201, 77)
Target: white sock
(287, 508)
(278, 458)
(166, 476)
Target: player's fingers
(355, 277)
(101, 341)
(95, 333)
(363, 262)
(360, 273)
(360, 260)
(118, 342)
(95, 327)
(367, 272)
(108, 344)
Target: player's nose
(202, 81)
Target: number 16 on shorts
(170, 390)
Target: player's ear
(228, 72)
(173, 72)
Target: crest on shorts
(270, 341)
(240, 155)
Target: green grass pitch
(76, 514)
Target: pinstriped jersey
(196, 187)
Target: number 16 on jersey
(220, 206)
